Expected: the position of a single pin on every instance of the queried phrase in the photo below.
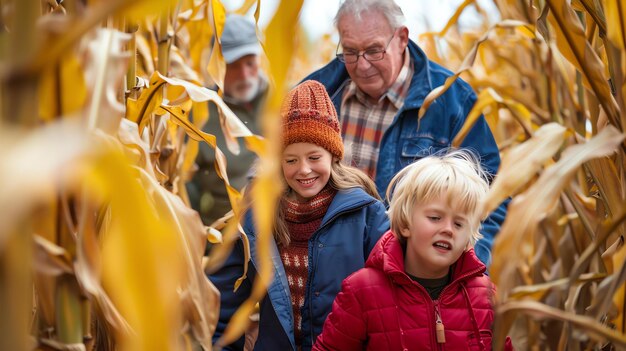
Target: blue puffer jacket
(408, 139)
(351, 227)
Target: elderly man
(244, 92)
(378, 83)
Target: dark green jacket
(206, 190)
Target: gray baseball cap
(239, 38)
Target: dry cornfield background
(99, 249)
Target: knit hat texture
(310, 117)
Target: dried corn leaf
(573, 45)
(523, 162)
(514, 242)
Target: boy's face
(436, 238)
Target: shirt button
(317, 294)
(321, 245)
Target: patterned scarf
(302, 219)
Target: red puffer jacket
(381, 308)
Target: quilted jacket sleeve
(345, 328)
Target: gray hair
(389, 9)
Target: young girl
(328, 222)
(422, 287)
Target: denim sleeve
(377, 225)
(490, 228)
(224, 280)
(480, 140)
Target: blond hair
(456, 176)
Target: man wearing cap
(245, 89)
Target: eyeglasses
(369, 55)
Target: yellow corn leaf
(279, 51)
(179, 68)
(618, 260)
(62, 89)
(89, 267)
(105, 77)
(220, 159)
(468, 61)
(573, 45)
(145, 59)
(485, 98)
(490, 97)
(537, 292)
(141, 9)
(217, 66)
(523, 162)
(201, 294)
(142, 260)
(231, 125)
(229, 226)
(214, 236)
(200, 34)
(26, 165)
(191, 152)
(200, 114)
(615, 11)
(136, 149)
(455, 17)
(514, 242)
(246, 257)
(139, 110)
(591, 327)
(245, 7)
(51, 259)
(606, 177)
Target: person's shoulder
(354, 191)
(358, 195)
(366, 278)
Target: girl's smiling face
(306, 168)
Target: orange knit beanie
(310, 117)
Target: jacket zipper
(439, 327)
(440, 335)
(314, 237)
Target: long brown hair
(341, 177)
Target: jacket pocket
(420, 147)
(474, 343)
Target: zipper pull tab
(439, 329)
(441, 335)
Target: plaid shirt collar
(397, 91)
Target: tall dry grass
(99, 249)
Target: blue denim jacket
(349, 230)
(408, 139)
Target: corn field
(100, 250)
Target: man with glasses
(378, 83)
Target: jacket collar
(344, 200)
(388, 256)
